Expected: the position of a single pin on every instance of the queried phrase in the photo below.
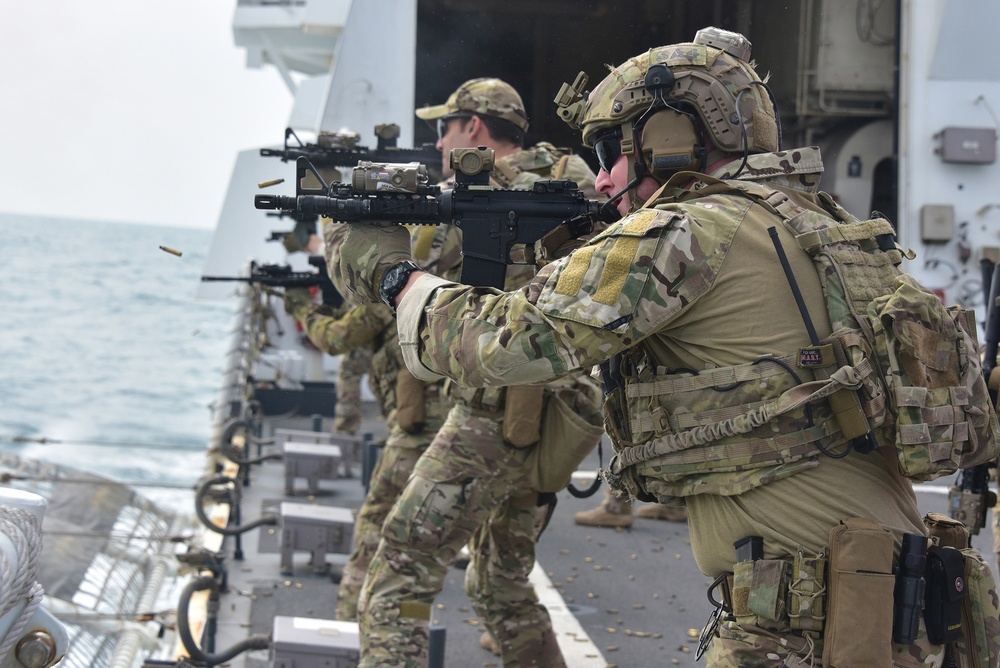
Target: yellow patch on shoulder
(639, 222)
(616, 270)
(624, 242)
(571, 279)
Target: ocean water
(104, 347)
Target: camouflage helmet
(710, 74)
(486, 96)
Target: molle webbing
(840, 243)
(654, 420)
(679, 437)
(543, 159)
(867, 229)
(737, 455)
(947, 413)
(843, 228)
(868, 276)
(504, 173)
(683, 427)
(925, 353)
(710, 378)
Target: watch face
(394, 281)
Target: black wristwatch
(395, 280)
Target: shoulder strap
(542, 159)
(560, 168)
(504, 173)
(770, 198)
(850, 228)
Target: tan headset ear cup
(669, 144)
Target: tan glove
(296, 298)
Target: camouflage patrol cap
(489, 97)
(711, 74)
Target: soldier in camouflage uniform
(469, 487)
(412, 419)
(686, 307)
(354, 364)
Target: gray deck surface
(637, 593)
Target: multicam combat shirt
(699, 285)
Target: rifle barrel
(343, 157)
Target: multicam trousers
(347, 414)
(399, 456)
(496, 580)
(460, 486)
(387, 483)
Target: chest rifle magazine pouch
(860, 596)
(945, 594)
(411, 403)
(522, 417)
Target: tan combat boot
(657, 512)
(487, 642)
(611, 513)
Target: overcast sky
(128, 111)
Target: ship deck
(617, 597)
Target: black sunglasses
(442, 123)
(608, 148)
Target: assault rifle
(494, 222)
(282, 276)
(341, 150)
(970, 497)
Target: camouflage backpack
(929, 396)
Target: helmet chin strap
(636, 170)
